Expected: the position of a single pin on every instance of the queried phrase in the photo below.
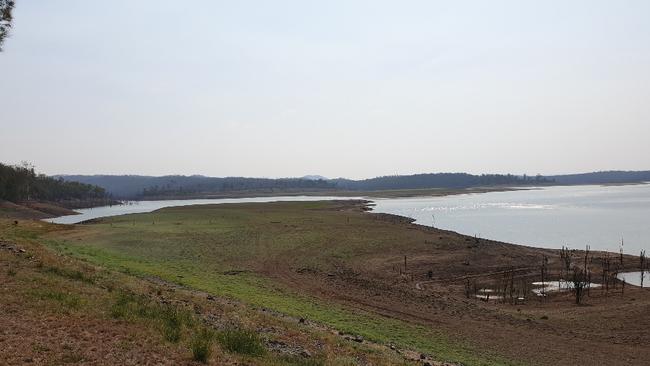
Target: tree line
(134, 186)
(232, 184)
(439, 180)
(21, 183)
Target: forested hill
(607, 177)
(138, 186)
(130, 186)
(437, 180)
(21, 183)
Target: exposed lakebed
(548, 217)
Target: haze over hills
(136, 186)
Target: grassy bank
(236, 251)
(59, 310)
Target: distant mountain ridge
(139, 186)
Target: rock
(423, 356)
(301, 321)
(306, 354)
(358, 339)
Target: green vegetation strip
(260, 292)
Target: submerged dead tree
(566, 255)
(544, 273)
(579, 280)
(643, 264)
(581, 277)
(606, 273)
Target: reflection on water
(549, 217)
(634, 278)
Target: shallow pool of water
(542, 288)
(634, 278)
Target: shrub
(169, 318)
(241, 341)
(172, 324)
(201, 345)
(121, 307)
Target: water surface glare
(547, 217)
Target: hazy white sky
(338, 88)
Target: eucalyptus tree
(6, 17)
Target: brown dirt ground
(608, 328)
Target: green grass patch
(294, 360)
(75, 275)
(67, 300)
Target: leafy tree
(6, 7)
(21, 183)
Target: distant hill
(138, 186)
(606, 177)
(438, 180)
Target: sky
(338, 88)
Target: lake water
(634, 278)
(548, 217)
(148, 206)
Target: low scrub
(70, 274)
(294, 360)
(67, 300)
(170, 319)
(201, 345)
(240, 341)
